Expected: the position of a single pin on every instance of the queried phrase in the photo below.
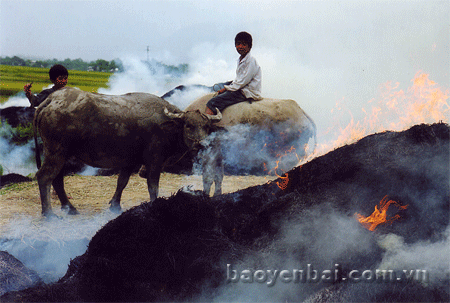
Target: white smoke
(319, 237)
(89, 171)
(136, 77)
(17, 159)
(182, 99)
(47, 246)
(15, 101)
(424, 255)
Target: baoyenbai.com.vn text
(311, 275)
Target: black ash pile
(190, 247)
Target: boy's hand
(27, 89)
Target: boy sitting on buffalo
(58, 75)
(247, 85)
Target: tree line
(99, 65)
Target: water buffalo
(280, 120)
(113, 132)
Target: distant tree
(113, 66)
(40, 63)
(79, 64)
(98, 65)
(101, 65)
(14, 61)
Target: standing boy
(58, 75)
(247, 85)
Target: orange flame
(379, 215)
(393, 109)
(285, 178)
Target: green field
(13, 78)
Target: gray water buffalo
(113, 132)
(274, 124)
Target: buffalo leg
(153, 158)
(212, 168)
(52, 165)
(153, 175)
(212, 173)
(207, 183)
(122, 181)
(153, 163)
(58, 185)
(218, 178)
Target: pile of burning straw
(366, 222)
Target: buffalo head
(196, 126)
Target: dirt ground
(91, 194)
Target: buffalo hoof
(115, 209)
(70, 210)
(73, 211)
(49, 215)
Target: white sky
(315, 52)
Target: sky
(318, 53)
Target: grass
(13, 78)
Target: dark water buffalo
(113, 132)
(17, 115)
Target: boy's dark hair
(56, 71)
(244, 36)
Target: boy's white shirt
(248, 78)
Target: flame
(379, 216)
(285, 178)
(394, 109)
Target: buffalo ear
(171, 127)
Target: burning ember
(379, 215)
(285, 178)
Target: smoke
(151, 77)
(47, 246)
(15, 158)
(183, 98)
(320, 239)
(15, 101)
(326, 244)
(425, 255)
(89, 171)
(136, 77)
